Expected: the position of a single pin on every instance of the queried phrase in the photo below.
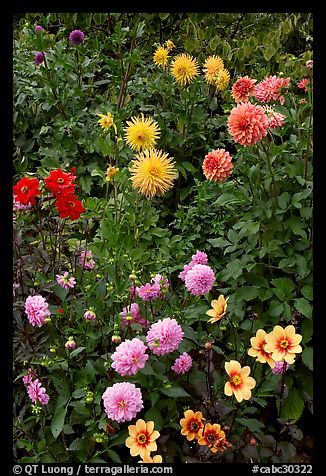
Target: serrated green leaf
(292, 406)
(307, 357)
(304, 307)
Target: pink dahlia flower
(36, 309)
(129, 357)
(182, 364)
(164, 336)
(200, 279)
(280, 367)
(198, 258)
(243, 88)
(86, 259)
(122, 401)
(19, 206)
(148, 292)
(131, 314)
(65, 281)
(270, 89)
(31, 374)
(161, 281)
(217, 165)
(247, 124)
(275, 119)
(37, 393)
(303, 83)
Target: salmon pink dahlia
(247, 124)
(270, 89)
(243, 88)
(217, 165)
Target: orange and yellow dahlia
(283, 344)
(240, 384)
(219, 309)
(258, 349)
(142, 438)
(191, 424)
(213, 437)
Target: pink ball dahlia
(36, 309)
(37, 393)
(270, 89)
(198, 258)
(217, 165)
(243, 88)
(200, 279)
(129, 357)
(122, 401)
(247, 124)
(164, 336)
(182, 364)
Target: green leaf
(302, 266)
(155, 415)
(307, 357)
(307, 292)
(292, 406)
(58, 421)
(176, 391)
(304, 307)
(76, 352)
(269, 52)
(252, 424)
(247, 293)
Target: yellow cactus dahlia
(141, 133)
(161, 56)
(211, 67)
(153, 172)
(184, 69)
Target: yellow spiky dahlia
(141, 133)
(213, 64)
(184, 68)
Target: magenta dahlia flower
(39, 28)
(164, 336)
(39, 58)
(247, 123)
(182, 364)
(36, 309)
(129, 357)
(149, 292)
(31, 374)
(280, 367)
(76, 37)
(200, 279)
(37, 393)
(90, 315)
(122, 401)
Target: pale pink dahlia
(247, 124)
(36, 309)
(131, 314)
(65, 280)
(275, 119)
(200, 279)
(270, 89)
(182, 364)
(148, 291)
(129, 357)
(122, 401)
(217, 165)
(243, 88)
(37, 393)
(164, 336)
(86, 259)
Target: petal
(188, 414)
(249, 382)
(238, 394)
(278, 331)
(245, 371)
(278, 354)
(289, 358)
(149, 427)
(199, 415)
(129, 442)
(213, 319)
(295, 349)
(261, 334)
(152, 446)
(155, 434)
(211, 313)
(132, 430)
(135, 450)
(253, 352)
(141, 425)
(290, 330)
(246, 392)
(228, 389)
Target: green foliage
(255, 227)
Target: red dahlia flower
(69, 205)
(26, 190)
(60, 182)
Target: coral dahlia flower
(219, 309)
(240, 384)
(217, 165)
(213, 437)
(191, 424)
(213, 64)
(184, 69)
(141, 133)
(247, 124)
(243, 88)
(257, 350)
(270, 89)
(153, 172)
(283, 344)
(142, 438)
(275, 119)
(160, 56)
(26, 190)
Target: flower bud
(116, 339)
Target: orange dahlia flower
(258, 349)
(213, 437)
(240, 384)
(217, 165)
(243, 88)
(219, 309)
(247, 123)
(191, 424)
(283, 344)
(142, 438)
(147, 459)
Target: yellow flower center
(154, 171)
(284, 343)
(60, 180)
(142, 438)
(236, 380)
(24, 189)
(122, 404)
